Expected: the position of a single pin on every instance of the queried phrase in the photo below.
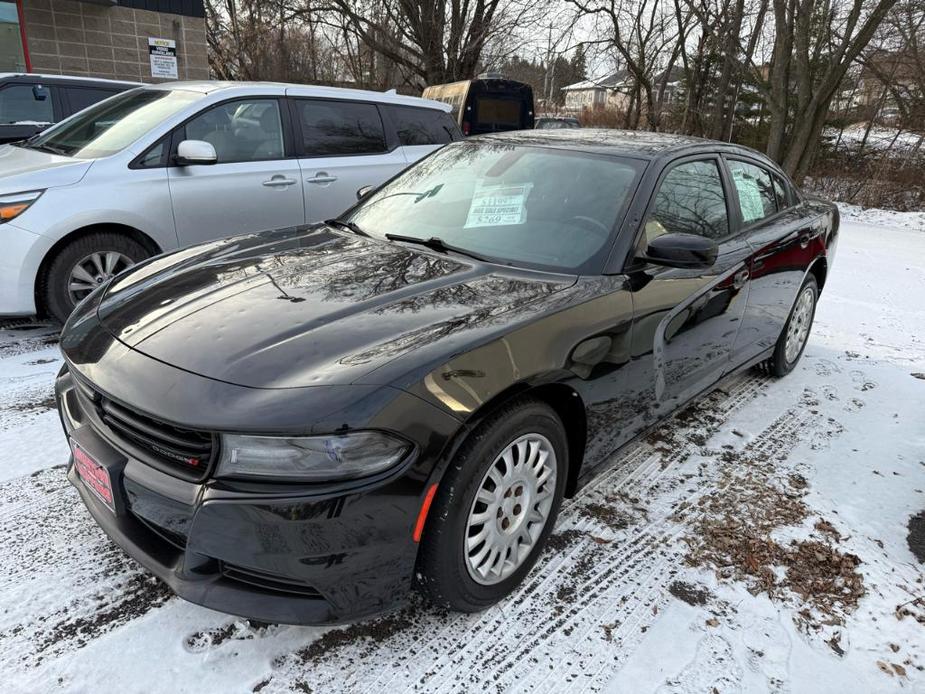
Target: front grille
(268, 581)
(183, 450)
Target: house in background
(136, 40)
(614, 91)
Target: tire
(55, 293)
(446, 572)
(780, 364)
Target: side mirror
(364, 191)
(682, 250)
(191, 152)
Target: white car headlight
(11, 206)
(310, 458)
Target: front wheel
(795, 335)
(82, 265)
(495, 508)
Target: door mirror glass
(191, 152)
(364, 191)
(682, 250)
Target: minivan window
(690, 200)
(110, 126)
(756, 192)
(423, 126)
(340, 127)
(82, 97)
(249, 130)
(19, 105)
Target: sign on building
(163, 54)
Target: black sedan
(302, 425)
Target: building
(138, 40)
(606, 92)
(613, 91)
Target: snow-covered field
(756, 542)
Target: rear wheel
(495, 508)
(83, 265)
(793, 338)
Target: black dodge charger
(302, 425)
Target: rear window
(491, 111)
(757, 198)
(423, 126)
(340, 127)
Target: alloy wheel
(94, 269)
(798, 328)
(510, 509)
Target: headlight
(310, 458)
(11, 206)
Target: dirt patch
(563, 539)
(734, 532)
(40, 405)
(916, 537)
(242, 630)
(613, 517)
(689, 593)
(370, 633)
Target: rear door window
(423, 126)
(332, 128)
(82, 97)
(24, 103)
(757, 197)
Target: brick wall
(79, 38)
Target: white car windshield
(112, 125)
(546, 208)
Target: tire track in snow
(64, 582)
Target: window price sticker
(498, 206)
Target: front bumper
(22, 255)
(292, 555)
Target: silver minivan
(167, 166)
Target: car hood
(310, 306)
(23, 169)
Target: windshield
(537, 207)
(111, 125)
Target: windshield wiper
(349, 226)
(438, 244)
(46, 148)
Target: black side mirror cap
(682, 251)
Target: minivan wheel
(494, 508)
(795, 335)
(83, 265)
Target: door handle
(321, 177)
(804, 237)
(279, 182)
(741, 277)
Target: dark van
(488, 104)
(29, 103)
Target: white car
(166, 166)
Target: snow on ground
(754, 543)
(879, 138)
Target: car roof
(640, 144)
(26, 76)
(308, 90)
